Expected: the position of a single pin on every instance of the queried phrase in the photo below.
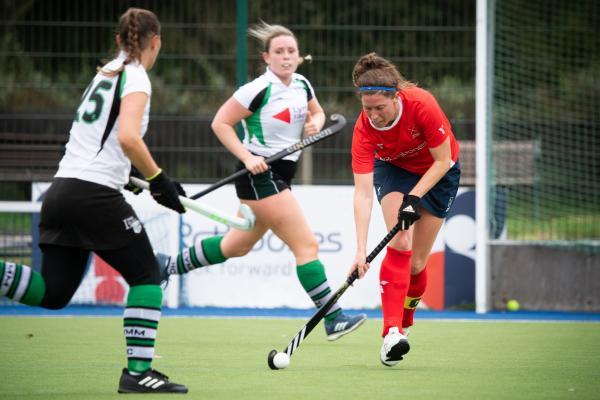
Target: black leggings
(63, 268)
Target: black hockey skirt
(87, 215)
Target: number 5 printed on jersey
(95, 97)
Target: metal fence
(49, 51)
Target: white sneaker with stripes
(150, 381)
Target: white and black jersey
(84, 209)
(93, 152)
(278, 113)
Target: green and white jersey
(278, 113)
(92, 153)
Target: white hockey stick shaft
(244, 224)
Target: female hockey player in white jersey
(84, 209)
(275, 109)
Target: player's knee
(308, 249)
(312, 246)
(401, 243)
(417, 263)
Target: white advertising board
(266, 277)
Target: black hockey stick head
(270, 359)
(278, 360)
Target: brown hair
(136, 27)
(372, 70)
(265, 33)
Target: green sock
(21, 283)
(141, 317)
(207, 252)
(313, 280)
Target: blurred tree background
(49, 51)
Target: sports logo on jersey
(413, 132)
(441, 129)
(283, 116)
(380, 145)
(133, 223)
(291, 115)
(408, 153)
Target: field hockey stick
(340, 122)
(245, 224)
(314, 321)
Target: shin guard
(21, 283)
(206, 252)
(140, 323)
(418, 284)
(314, 281)
(394, 277)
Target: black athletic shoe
(150, 381)
(163, 263)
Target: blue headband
(370, 88)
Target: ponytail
(136, 27)
(374, 74)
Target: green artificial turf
(81, 358)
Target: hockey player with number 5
(84, 209)
(403, 146)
